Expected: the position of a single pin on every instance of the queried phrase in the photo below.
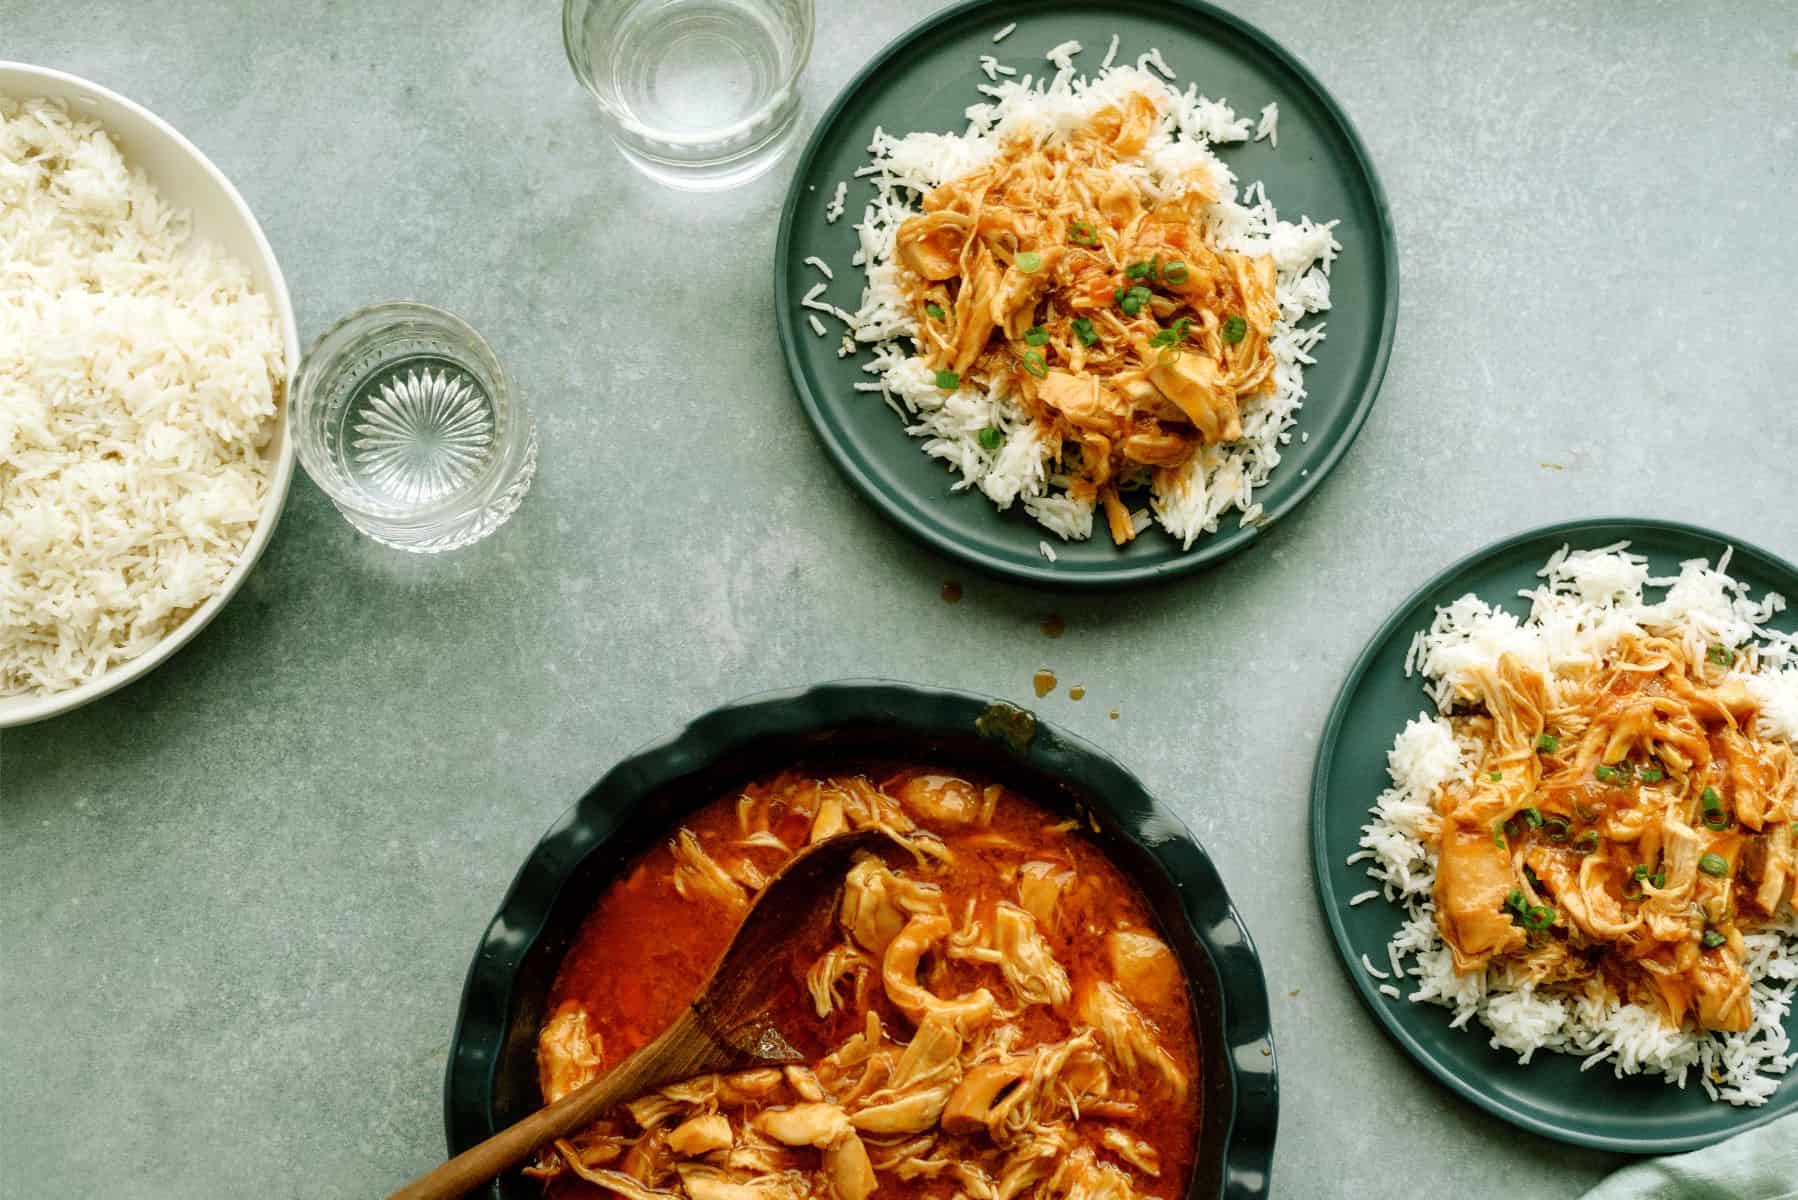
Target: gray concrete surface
(239, 897)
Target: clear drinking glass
(405, 419)
(700, 94)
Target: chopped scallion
(1605, 774)
(1721, 655)
(1539, 917)
(1083, 329)
(1710, 799)
(1532, 816)
(1650, 775)
(1175, 272)
(1556, 829)
(1659, 879)
(990, 438)
(1081, 234)
(1641, 871)
(1586, 842)
(1029, 261)
(1139, 270)
(1036, 335)
(948, 380)
(1547, 743)
(1497, 775)
(1033, 363)
(1235, 329)
(1713, 939)
(936, 311)
(1714, 864)
(1132, 301)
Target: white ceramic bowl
(187, 179)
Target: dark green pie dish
(491, 1080)
(1551, 1096)
(926, 80)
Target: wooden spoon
(727, 1028)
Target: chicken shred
(1624, 827)
(1111, 316)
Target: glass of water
(404, 417)
(700, 94)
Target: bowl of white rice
(147, 344)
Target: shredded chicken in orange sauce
(1111, 317)
(990, 1013)
(1621, 837)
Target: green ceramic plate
(1551, 1096)
(926, 80)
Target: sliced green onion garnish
(1498, 834)
(1710, 799)
(1033, 363)
(1641, 871)
(1235, 329)
(1586, 842)
(1713, 939)
(1532, 816)
(1556, 829)
(990, 438)
(1605, 774)
(936, 310)
(1539, 916)
(1714, 864)
(1081, 234)
(1167, 355)
(1547, 743)
(1030, 261)
(1497, 775)
(1083, 329)
(1139, 270)
(1659, 879)
(1515, 899)
(1716, 822)
(948, 380)
(1036, 335)
(1721, 655)
(1163, 338)
(1175, 272)
(1650, 775)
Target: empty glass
(405, 419)
(700, 94)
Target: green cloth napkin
(1761, 1164)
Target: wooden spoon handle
(686, 1048)
(509, 1147)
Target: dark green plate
(926, 80)
(491, 1080)
(1551, 1096)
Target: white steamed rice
(139, 371)
(1587, 601)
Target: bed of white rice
(139, 371)
(1587, 600)
(902, 168)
